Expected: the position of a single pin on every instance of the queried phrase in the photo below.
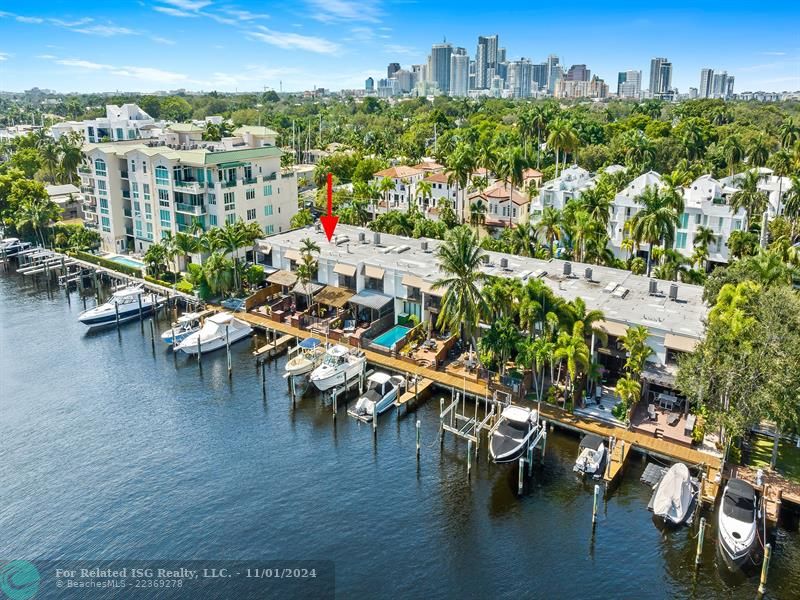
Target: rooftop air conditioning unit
(588, 273)
(341, 239)
(653, 287)
(424, 245)
(673, 292)
(376, 238)
(503, 263)
(485, 258)
(362, 237)
(567, 269)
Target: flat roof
(198, 156)
(622, 296)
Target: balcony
(270, 177)
(127, 213)
(249, 180)
(89, 208)
(191, 187)
(87, 170)
(228, 184)
(190, 209)
(123, 174)
(87, 189)
(126, 194)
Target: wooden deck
(646, 443)
(618, 456)
(775, 490)
(274, 348)
(415, 390)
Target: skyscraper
(440, 66)
(459, 73)
(539, 76)
(520, 78)
(666, 80)
(369, 84)
(392, 69)
(706, 81)
(629, 84)
(486, 60)
(553, 72)
(729, 90)
(578, 73)
(660, 77)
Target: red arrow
(330, 220)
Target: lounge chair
(673, 418)
(651, 412)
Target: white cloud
(288, 41)
(162, 40)
(104, 30)
(329, 11)
(400, 49)
(175, 12)
(190, 5)
(769, 53)
(32, 20)
(149, 74)
(244, 15)
(82, 64)
(4, 56)
(249, 75)
(46, 56)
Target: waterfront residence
(405, 180)
(506, 206)
(136, 192)
(69, 200)
(126, 122)
(441, 190)
(556, 192)
(775, 187)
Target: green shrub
(105, 263)
(184, 287)
(157, 281)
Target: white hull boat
(675, 495)
(737, 523)
(12, 246)
(592, 458)
(303, 358)
(382, 392)
(513, 433)
(217, 331)
(186, 325)
(339, 366)
(125, 302)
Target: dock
(274, 348)
(775, 489)
(417, 389)
(617, 455)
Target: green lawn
(788, 456)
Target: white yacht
(339, 366)
(512, 433)
(382, 391)
(186, 325)
(303, 358)
(13, 246)
(592, 458)
(737, 524)
(675, 495)
(126, 302)
(215, 333)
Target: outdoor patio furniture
(688, 429)
(673, 419)
(666, 401)
(651, 412)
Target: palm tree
(572, 348)
(639, 151)
(71, 158)
(577, 312)
(523, 238)
(749, 196)
(185, 244)
(758, 151)
(550, 225)
(510, 167)
(635, 343)
(583, 227)
(477, 215)
(219, 273)
(791, 208)
(562, 137)
(385, 186)
(733, 151)
(657, 220)
(629, 391)
(156, 259)
(37, 212)
(527, 127)
(309, 246)
(305, 273)
(538, 117)
(704, 238)
(51, 158)
(424, 190)
(460, 164)
(460, 259)
(781, 165)
(500, 341)
(230, 239)
(789, 133)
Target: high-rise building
(392, 69)
(501, 55)
(369, 84)
(472, 80)
(729, 90)
(459, 73)
(420, 73)
(553, 72)
(440, 66)
(539, 76)
(405, 81)
(629, 84)
(706, 82)
(666, 80)
(486, 60)
(578, 73)
(692, 93)
(660, 77)
(520, 78)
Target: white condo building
(136, 192)
(405, 180)
(126, 122)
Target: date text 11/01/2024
(183, 573)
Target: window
(268, 190)
(164, 215)
(705, 220)
(212, 220)
(132, 166)
(101, 187)
(120, 134)
(100, 167)
(230, 219)
(721, 222)
(270, 229)
(230, 200)
(149, 231)
(134, 190)
(250, 194)
(163, 198)
(144, 167)
(131, 134)
(137, 208)
(251, 214)
(162, 176)
(680, 240)
(268, 210)
(138, 225)
(103, 206)
(697, 219)
(148, 211)
(684, 224)
(737, 224)
(106, 222)
(212, 199)
(146, 190)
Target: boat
(512, 433)
(126, 302)
(592, 458)
(737, 523)
(339, 366)
(13, 246)
(382, 392)
(675, 495)
(217, 331)
(186, 324)
(303, 358)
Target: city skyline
(215, 45)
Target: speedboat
(512, 433)
(592, 458)
(13, 246)
(186, 325)
(217, 331)
(339, 366)
(382, 391)
(675, 495)
(126, 302)
(737, 523)
(303, 359)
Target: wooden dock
(419, 388)
(273, 348)
(618, 454)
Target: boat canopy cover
(592, 441)
(739, 501)
(309, 343)
(188, 317)
(380, 378)
(221, 318)
(674, 493)
(517, 414)
(337, 350)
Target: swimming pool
(389, 338)
(128, 262)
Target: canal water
(109, 451)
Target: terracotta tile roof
(531, 174)
(437, 178)
(429, 166)
(501, 191)
(398, 171)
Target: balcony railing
(126, 194)
(123, 174)
(249, 180)
(270, 177)
(87, 189)
(127, 213)
(229, 184)
(192, 209)
(85, 170)
(195, 186)
(89, 208)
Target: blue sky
(243, 45)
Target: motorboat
(512, 433)
(186, 325)
(382, 392)
(126, 303)
(339, 366)
(675, 495)
(217, 331)
(13, 246)
(592, 458)
(303, 358)
(737, 523)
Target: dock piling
(116, 313)
(228, 350)
(418, 434)
(199, 351)
(335, 404)
(700, 536)
(529, 459)
(595, 504)
(153, 336)
(264, 384)
(544, 441)
(762, 585)
(469, 458)
(139, 298)
(521, 476)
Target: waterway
(109, 451)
